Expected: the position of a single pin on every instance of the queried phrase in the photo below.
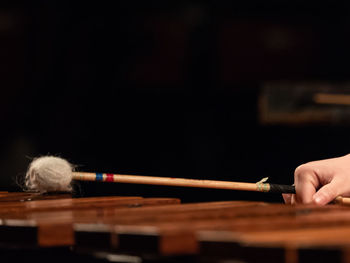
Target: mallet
(51, 174)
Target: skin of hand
(320, 182)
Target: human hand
(320, 182)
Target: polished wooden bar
(243, 231)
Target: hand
(320, 182)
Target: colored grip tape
(108, 177)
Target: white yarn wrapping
(49, 174)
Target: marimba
(58, 228)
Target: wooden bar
(163, 227)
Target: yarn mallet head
(49, 174)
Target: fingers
(320, 182)
(326, 194)
(306, 183)
(287, 198)
(305, 190)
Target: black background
(165, 88)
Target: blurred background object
(305, 103)
(166, 88)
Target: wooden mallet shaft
(183, 182)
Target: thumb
(326, 194)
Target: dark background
(165, 88)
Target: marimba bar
(164, 228)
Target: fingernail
(318, 199)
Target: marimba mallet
(52, 174)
